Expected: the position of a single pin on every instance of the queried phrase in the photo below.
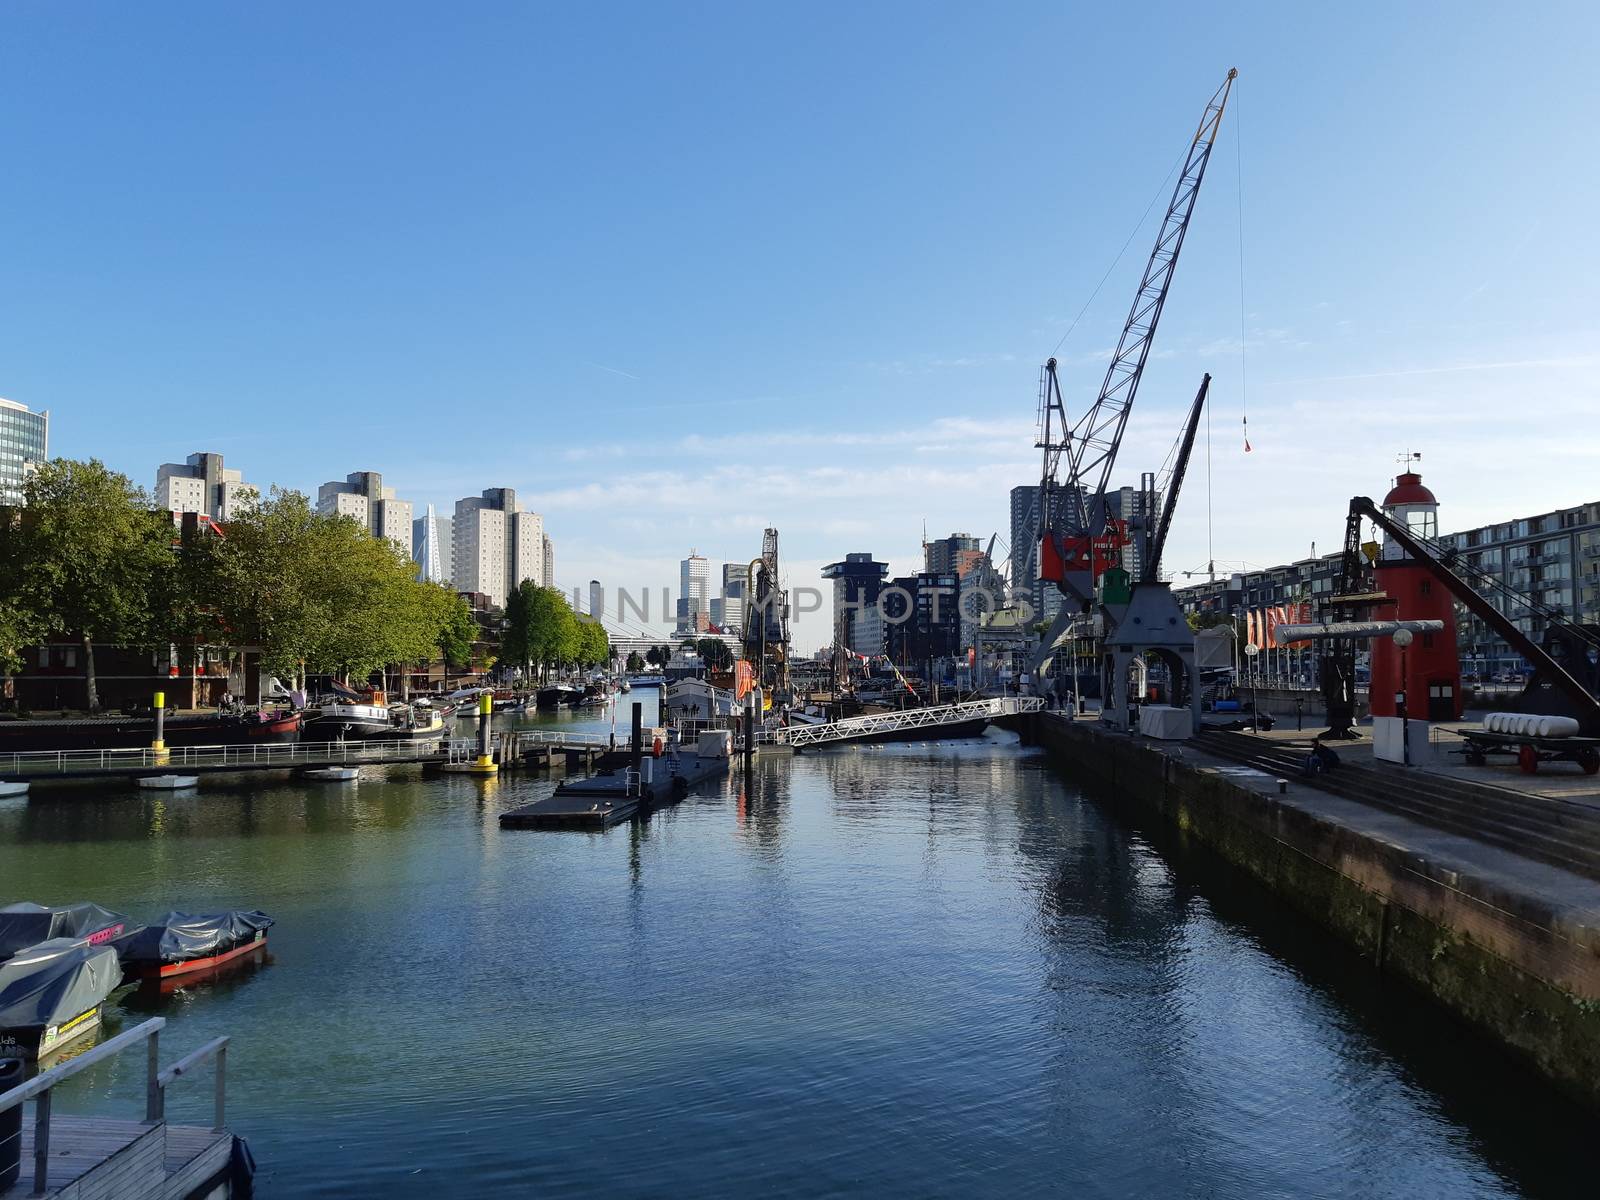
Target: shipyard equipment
(1081, 543)
(766, 624)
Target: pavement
(1554, 781)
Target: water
(920, 970)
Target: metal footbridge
(854, 728)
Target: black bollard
(638, 733)
(749, 730)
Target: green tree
(635, 663)
(714, 653)
(93, 552)
(457, 632)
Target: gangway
(911, 718)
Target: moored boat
(137, 733)
(184, 942)
(27, 924)
(52, 994)
(332, 774)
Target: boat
(52, 994)
(696, 699)
(345, 713)
(183, 942)
(13, 787)
(332, 774)
(408, 723)
(167, 783)
(138, 732)
(557, 694)
(27, 924)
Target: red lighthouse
(1428, 671)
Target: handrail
(39, 1089)
(909, 718)
(46, 1080)
(216, 1048)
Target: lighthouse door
(1441, 700)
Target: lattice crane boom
(1076, 512)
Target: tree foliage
(635, 662)
(714, 653)
(89, 555)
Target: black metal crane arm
(1480, 607)
(1152, 566)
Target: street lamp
(1251, 650)
(1402, 638)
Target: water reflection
(908, 970)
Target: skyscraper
(363, 498)
(694, 593)
(201, 484)
(24, 443)
(498, 545)
(943, 556)
(433, 547)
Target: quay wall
(1522, 967)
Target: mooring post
(485, 764)
(749, 729)
(158, 747)
(638, 733)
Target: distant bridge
(854, 728)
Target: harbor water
(910, 970)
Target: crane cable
(1238, 168)
(1154, 200)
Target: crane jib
(1089, 446)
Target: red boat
(136, 733)
(184, 942)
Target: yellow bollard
(158, 747)
(485, 764)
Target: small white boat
(167, 783)
(13, 788)
(334, 774)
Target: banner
(743, 679)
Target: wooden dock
(602, 801)
(102, 1158)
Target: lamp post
(1251, 650)
(1402, 638)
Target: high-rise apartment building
(24, 443)
(497, 545)
(202, 484)
(363, 498)
(857, 582)
(946, 554)
(727, 610)
(547, 555)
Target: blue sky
(677, 272)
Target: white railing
(38, 1089)
(265, 754)
(530, 738)
(910, 718)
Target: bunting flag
(1300, 614)
(1274, 619)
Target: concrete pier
(1507, 943)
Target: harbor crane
(1079, 539)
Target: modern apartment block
(202, 484)
(433, 547)
(497, 545)
(547, 556)
(950, 553)
(24, 443)
(857, 582)
(363, 498)
(1552, 558)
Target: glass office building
(24, 441)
